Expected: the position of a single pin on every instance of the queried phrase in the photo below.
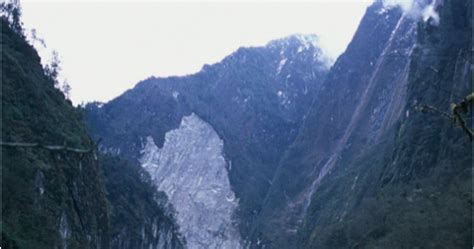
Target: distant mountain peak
(297, 44)
(294, 49)
(304, 40)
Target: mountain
(368, 168)
(270, 148)
(50, 199)
(362, 96)
(248, 107)
(57, 190)
(292, 154)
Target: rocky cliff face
(366, 169)
(361, 98)
(255, 100)
(192, 171)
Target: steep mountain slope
(361, 97)
(56, 198)
(139, 215)
(368, 169)
(415, 189)
(255, 100)
(50, 199)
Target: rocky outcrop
(191, 169)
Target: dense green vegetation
(63, 199)
(49, 199)
(138, 212)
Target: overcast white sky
(107, 47)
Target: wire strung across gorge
(47, 147)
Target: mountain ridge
(254, 99)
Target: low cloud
(430, 14)
(417, 9)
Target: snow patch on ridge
(281, 65)
(308, 41)
(417, 9)
(175, 95)
(192, 171)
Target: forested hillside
(58, 191)
(50, 198)
(140, 216)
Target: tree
(456, 110)
(52, 70)
(36, 39)
(10, 11)
(66, 89)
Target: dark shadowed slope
(140, 216)
(382, 174)
(60, 198)
(361, 97)
(50, 199)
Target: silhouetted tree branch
(462, 107)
